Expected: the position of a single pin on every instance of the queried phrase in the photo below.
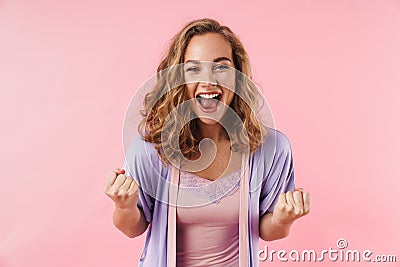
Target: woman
(188, 228)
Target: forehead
(207, 47)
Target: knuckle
(135, 185)
(135, 190)
(120, 193)
(121, 176)
(111, 174)
(132, 194)
(298, 212)
(279, 208)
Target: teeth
(208, 95)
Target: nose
(208, 78)
(208, 84)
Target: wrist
(134, 209)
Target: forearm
(130, 221)
(272, 230)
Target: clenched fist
(291, 206)
(123, 190)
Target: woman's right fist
(121, 189)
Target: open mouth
(209, 102)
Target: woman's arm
(123, 190)
(290, 206)
(272, 230)
(130, 221)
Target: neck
(215, 132)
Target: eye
(221, 67)
(192, 69)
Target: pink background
(330, 70)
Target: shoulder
(143, 164)
(141, 149)
(142, 154)
(282, 142)
(275, 141)
(269, 160)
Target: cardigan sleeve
(138, 165)
(280, 177)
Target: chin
(208, 121)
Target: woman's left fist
(291, 206)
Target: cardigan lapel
(243, 213)
(172, 201)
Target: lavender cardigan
(270, 173)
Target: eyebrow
(218, 59)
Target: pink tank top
(208, 227)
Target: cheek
(229, 95)
(190, 88)
(227, 79)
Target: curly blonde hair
(162, 100)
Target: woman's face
(209, 72)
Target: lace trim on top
(208, 189)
